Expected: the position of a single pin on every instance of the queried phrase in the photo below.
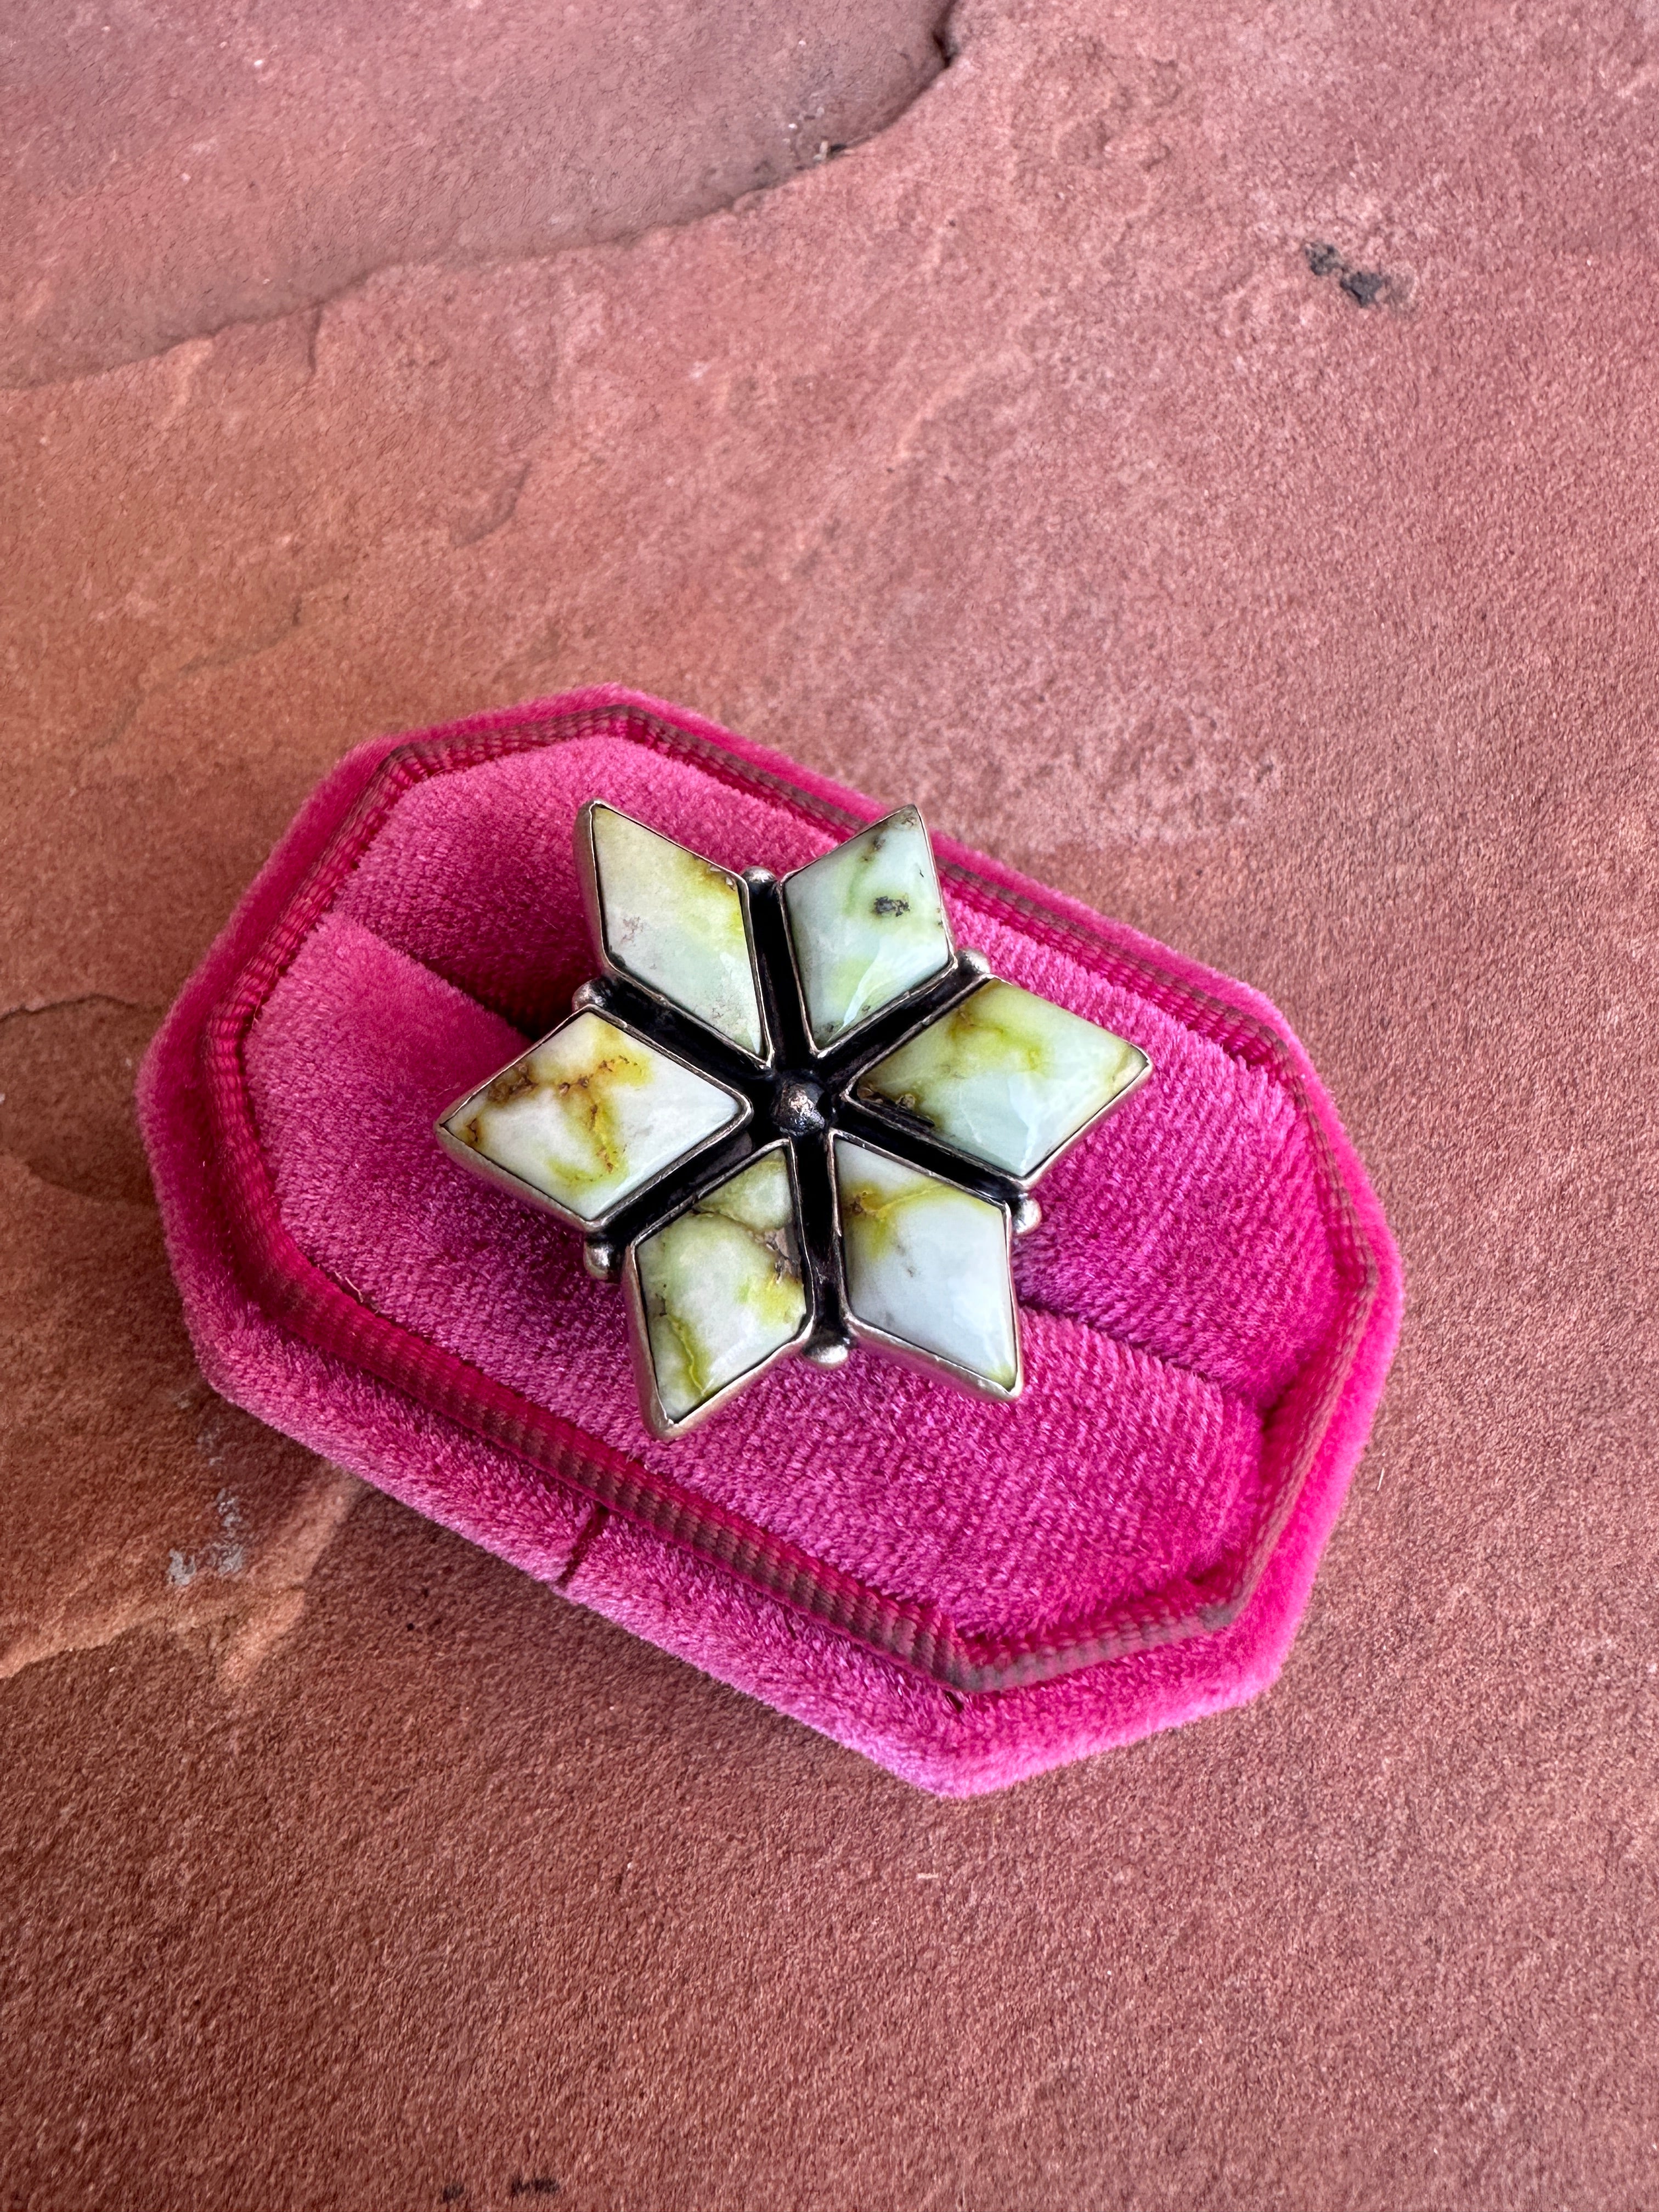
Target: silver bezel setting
(662, 1424)
(797, 1097)
(587, 876)
(895, 1117)
(898, 1347)
(917, 992)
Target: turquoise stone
(1004, 1077)
(676, 924)
(867, 924)
(721, 1286)
(928, 1264)
(590, 1115)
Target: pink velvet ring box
(966, 1592)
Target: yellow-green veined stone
(721, 1286)
(927, 1263)
(676, 923)
(1004, 1077)
(590, 1115)
(867, 924)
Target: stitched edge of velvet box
(952, 1709)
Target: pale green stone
(927, 1263)
(590, 1115)
(1004, 1077)
(867, 923)
(675, 923)
(721, 1286)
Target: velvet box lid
(967, 1592)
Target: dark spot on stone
(1364, 287)
(512, 1083)
(885, 905)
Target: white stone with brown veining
(722, 1286)
(590, 1115)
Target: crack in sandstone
(313, 306)
(26, 1007)
(494, 513)
(244, 1613)
(228, 655)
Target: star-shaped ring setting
(791, 1115)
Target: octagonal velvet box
(967, 1592)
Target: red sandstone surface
(1209, 457)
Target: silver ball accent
(1027, 1214)
(591, 996)
(970, 961)
(758, 879)
(796, 1109)
(827, 1351)
(602, 1261)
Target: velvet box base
(966, 1592)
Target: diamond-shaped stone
(591, 1115)
(675, 923)
(867, 924)
(721, 1286)
(928, 1265)
(1004, 1077)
